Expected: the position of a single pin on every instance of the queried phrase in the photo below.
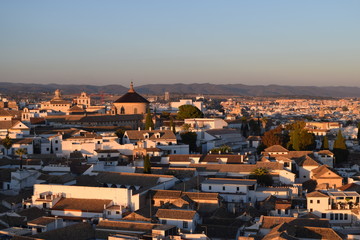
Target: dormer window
(146, 135)
(157, 135)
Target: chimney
(138, 128)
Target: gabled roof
(307, 161)
(175, 214)
(317, 194)
(324, 172)
(140, 134)
(276, 148)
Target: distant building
(57, 103)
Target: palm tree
(7, 143)
(20, 152)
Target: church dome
(131, 97)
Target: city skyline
(249, 42)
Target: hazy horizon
(277, 42)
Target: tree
(120, 134)
(149, 124)
(20, 152)
(147, 164)
(172, 125)
(262, 176)
(7, 143)
(190, 139)
(358, 135)
(325, 143)
(255, 128)
(300, 138)
(273, 137)
(340, 150)
(222, 149)
(189, 111)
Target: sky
(304, 42)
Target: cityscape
(185, 120)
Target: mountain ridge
(193, 88)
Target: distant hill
(196, 88)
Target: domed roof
(131, 97)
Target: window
(336, 216)
(109, 213)
(304, 176)
(209, 187)
(163, 221)
(174, 151)
(56, 141)
(38, 230)
(117, 212)
(311, 209)
(44, 205)
(98, 142)
(331, 216)
(47, 149)
(311, 201)
(286, 164)
(345, 216)
(318, 201)
(279, 211)
(56, 149)
(323, 215)
(237, 188)
(286, 211)
(185, 224)
(341, 216)
(223, 188)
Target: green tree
(300, 138)
(325, 143)
(21, 152)
(222, 149)
(340, 150)
(7, 143)
(148, 121)
(254, 127)
(262, 176)
(189, 111)
(147, 164)
(190, 139)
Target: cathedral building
(131, 103)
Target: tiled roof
(276, 148)
(307, 161)
(175, 214)
(78, 231)
(323, 171)
(85, 205)
(43, 221)
(126, 225)
(32, 213)
(316, 194)
(140, 134)
(271, 221)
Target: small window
(174, 151)
(237, 188)
(109, 213)
(311, 201)
(117, 212)
(185, 224)
(223, 188)
(318, 201)
(336, 216)
(304, 176)
(209, 187)
(341, 216)
(331, 216)
(38, 230)
(345, 216)
(286, 211)
(98, 142)
(47, 149)
(163, 221)
(279, 211)
(311, 209)
(56, 149)
(56, 141)
(323, 215)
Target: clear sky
(287, 42)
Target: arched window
(122, 110)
